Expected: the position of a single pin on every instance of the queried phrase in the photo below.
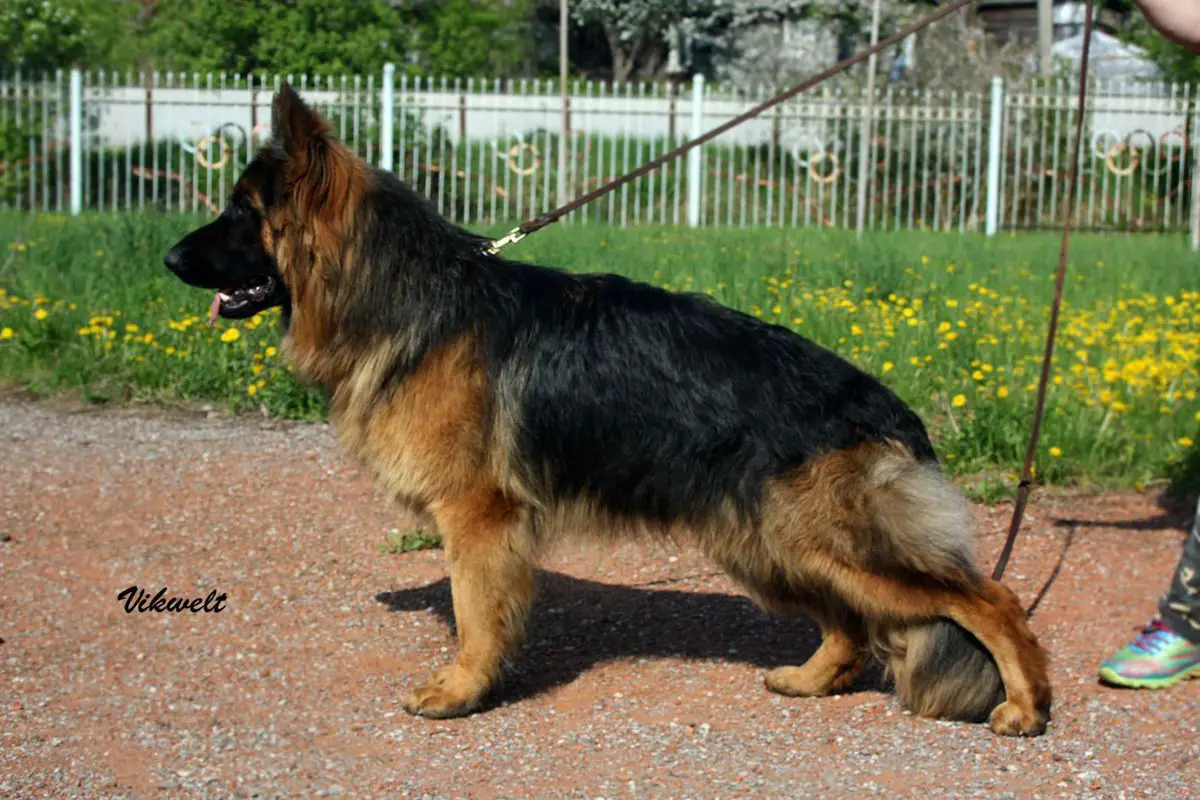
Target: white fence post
(995, 140)
(76, 135)
(1195, 210)
(388, 111)
(693, 166)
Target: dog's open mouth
(244, 301)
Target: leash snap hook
(514, 236)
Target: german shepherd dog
(515, 404)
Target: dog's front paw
(1009, 719)
(448, 693)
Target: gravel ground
(642, 676)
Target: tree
(300, 36)
(1175, 63)
(37, 35)
(472, 38)
(636, 30)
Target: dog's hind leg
(490, 550)
(991, 613)
(832, 668)
(843, 651)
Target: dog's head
(281, 239)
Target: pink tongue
(214, 309)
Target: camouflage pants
(1180, 607)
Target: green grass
(416, 539)
(954, 324)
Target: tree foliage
(621, 39)
(471, 38)
(327, 36)
(36, 35)
(1174, 62)
(636, 30)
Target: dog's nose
(174, 259)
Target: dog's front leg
(490, 551)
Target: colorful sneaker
(1158, 658)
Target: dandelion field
(954, 324)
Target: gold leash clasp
(513, 237)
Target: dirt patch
(642, 676)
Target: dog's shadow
(578, 624)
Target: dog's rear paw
(1009, 719)
(797, 682)
(449, 693)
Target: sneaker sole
(1114, 678)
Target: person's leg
(1168, 649)
(1180, 607)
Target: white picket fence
(493, 152)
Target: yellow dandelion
(41, 313)
(1002, 392)
(6, 333)
(959, 400)
(270, 351)
(1055, 452)
(252, 389)
(131, 328)
(1185, 442)
(231, 335)
(148, 338)
(888, 366)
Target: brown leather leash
(1060, 279)
(1026, 483)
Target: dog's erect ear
(297, 129)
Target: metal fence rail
(490, 151)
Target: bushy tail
(942, 671)
(923, 524)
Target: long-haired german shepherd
(516, 404)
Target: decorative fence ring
(515, 157)
(1169, 153)
(821, 157)
(204, 144)
(1149, 147)
(1126, 171)
(1100, 148)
